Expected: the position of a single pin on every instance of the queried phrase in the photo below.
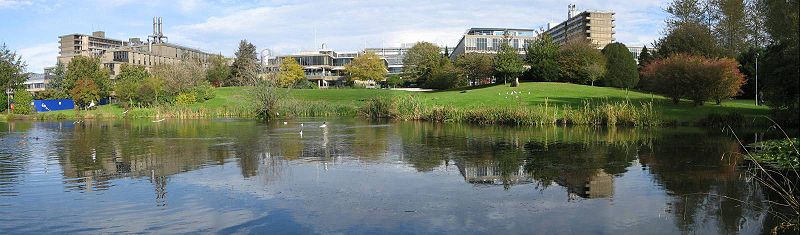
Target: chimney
(155, 26)
(571, 11)
(160, 27)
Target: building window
(482, 44)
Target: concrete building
(36, 82)
(394, 56)
(596, 27)
(113, 52)
(324, 67)
(635, 50)
(488, 40)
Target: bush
(203, 92)
(693, 77)
(184, 99)
(304, 84)
(621, 68)
(264, 98)
(22, 102)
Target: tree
(475, 66)
(694, 77)
(22, 102)
(645, 57)
(56, 84)
(394, 81)
(12, 69)
(686, 11)
(689, 38)
(446, 76)
(245, 66)
(87, 68)
(730, 28)
(264, 98)
(180, 77)
(84, 92)
(781, 64)
(580, 62)
(508, 64)
(219, 73)
(366, 67)
(290, 72)
(128, 83)
(747, 65)
(420, 61)
(542, 56)
(621, 67)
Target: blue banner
(53, 105)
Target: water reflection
(354, 176)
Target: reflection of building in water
(594, 185)
(491, 173)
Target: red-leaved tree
(694, 77)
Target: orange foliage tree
(694, 77)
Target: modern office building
(324, 67)
(113, 52)
(596, 27)
(488, 40)
(36, 82)
(394, 56)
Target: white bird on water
(324, 124)
(161, 120)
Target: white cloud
(39, 56)
(348, 25)
(14, 3)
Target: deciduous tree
(366, 67)
(420, 61)
(290, 72)
(87, 69)
(580, 62)
(219, 72)
(84, 92)
(542, 56)
(508, 65)
(11, 69)
(689, 38)
(694, 77)
(475, 66)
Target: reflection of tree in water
(699, 172)
(369, 142)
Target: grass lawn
(530, 93)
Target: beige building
(113, 53)
(596, 27)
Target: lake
(352, 176)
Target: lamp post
(8, 99)
(757, 103)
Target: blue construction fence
(62, 104)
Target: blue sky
(32, 27)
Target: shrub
(621, 67)
(22, 102)
(84, 92)
(203, 92)
(184, 99)
(693, 77)
(264, 98)
(304, 84)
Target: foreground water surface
(352, 176)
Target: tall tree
(219, 73)
(420, 61)
(56, 84)
(180, 77)
(687, 11)
(542, 56)
(781, 65)
(645, 57)
(476, 66)
(290, 72)
(508, 65)
(621, 67)
(581, 63)
(688, 38)
(730, 25)
(128, 82)
(245, 66)
(12, 69)
(366, 67)
(88, 69)
(747, 65)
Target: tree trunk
(515, 83)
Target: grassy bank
(564, 102)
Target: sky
(31, 27)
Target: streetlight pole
(757, 103)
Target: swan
(284, 123)
(324, 124)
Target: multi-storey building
(113, 52)
(596, 27)
(395, 55)
(36, 82)
(488, 40)
(324, 67)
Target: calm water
(228, 176)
